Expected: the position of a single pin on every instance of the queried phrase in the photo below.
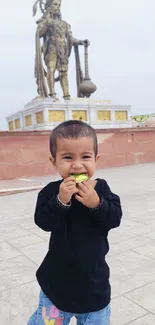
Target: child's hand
(87, 195)
(67, 189)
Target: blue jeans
(48, 314)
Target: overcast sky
(121, 55)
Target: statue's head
(54, 6)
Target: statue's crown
(48, 3)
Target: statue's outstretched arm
(74, 40)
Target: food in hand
(79, 178)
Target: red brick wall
(25, 154)
(128, 147)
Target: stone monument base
(45, 114)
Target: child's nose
(77, 164)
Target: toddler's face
(75, 156)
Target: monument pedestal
(45, 114)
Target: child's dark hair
(72, 129)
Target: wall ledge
(48, 132)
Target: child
(74, 276)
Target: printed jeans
(48, 314)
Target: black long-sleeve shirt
(74, 274)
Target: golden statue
(55, 49)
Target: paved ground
(21, 185)
(132, 255)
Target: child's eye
(67, 157)
(86, 157)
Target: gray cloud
(122, 52)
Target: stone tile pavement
(21, 185)
(132, 254)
